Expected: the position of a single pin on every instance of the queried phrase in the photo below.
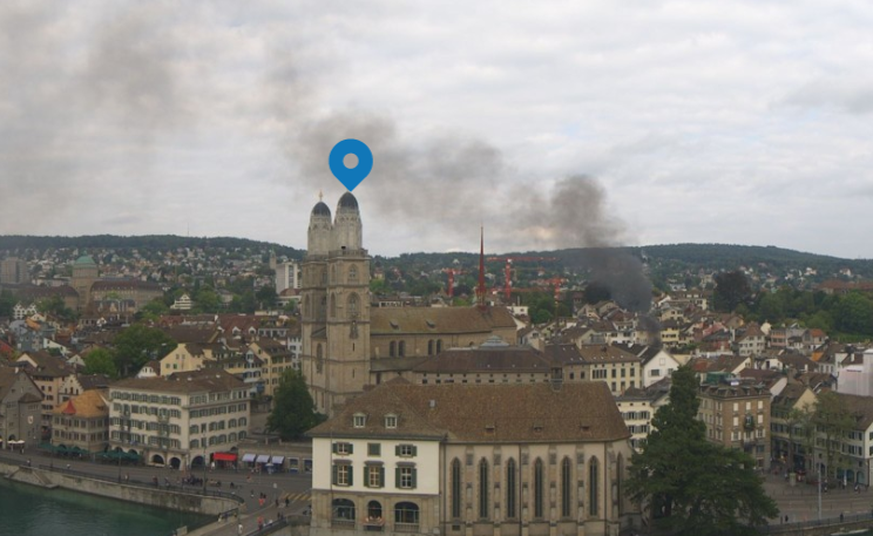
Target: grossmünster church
(347, 345)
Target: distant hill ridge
(713, 256)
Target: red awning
(224, 457)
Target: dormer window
(359, 420)
(390, 421)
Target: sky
(552, 124)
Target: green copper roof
(84, 259)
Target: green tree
(831, 417)
(293, 409)
(55, 306)
(154, 309)
(100, 361)
(137, 344)
(266, 296)
(731, 289)
(692, 486)
(7, 303)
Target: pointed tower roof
(480, 289)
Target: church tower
(336, 305)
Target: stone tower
(336, 305)
(84, 274)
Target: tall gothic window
(353, 305)
(392, 349)
(592, 487)
(333, 305)
(618, 482)
(566, 486)
(511, 484)
(353, 273)
(538, 488)
(402, 348)
(456, 488)
(483, 489)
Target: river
(31, 511)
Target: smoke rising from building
(136, 76)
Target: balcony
(342, 523)
(405, 527)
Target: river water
(31, 511)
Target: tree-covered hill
(154, 242)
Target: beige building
(180, 420)
(82, 422)
(275, 359)
(342, 338)
(737, 415)
(48, 373)
(14, 271)
(511, 460)
(20, 413)
(786, 433)
(185, 357)
(619, 368)
(85, 273)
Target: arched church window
(333, 305)
(319, 358)
(392, 349)
(353, 305)
(402, 348)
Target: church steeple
(480, 289)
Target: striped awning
(277, 460)
(263, 458)
(248, 457)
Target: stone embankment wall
(172, 500)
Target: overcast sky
(553, 124)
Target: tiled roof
(602, 353)
(577, 412)
(89, 404)
(438, 320)
(124, 284)
(210, 380)
(486, 359)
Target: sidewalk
(800, 501)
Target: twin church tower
(335, 317)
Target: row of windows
(405, 476)
(145, 425)
(404, 450)
(406, 515)
(81, 423)
(76, 436)
(513, 491)
(398, 348)
(220, 410)
(135, 409)
(153, 399)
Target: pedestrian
(239, 529)
(287, 501)
(277, 502)
(252, 494)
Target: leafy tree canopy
(137, 344)
(100, 361)
(731, 290)
(293, 409)
(690, 485)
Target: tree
(7, 303)
(136, 345)
(293, 409)
(154, 309)
(731, 289)
(266, 296)
(831, 417)
(692, 486)
(100, 361)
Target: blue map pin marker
(350, 177)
